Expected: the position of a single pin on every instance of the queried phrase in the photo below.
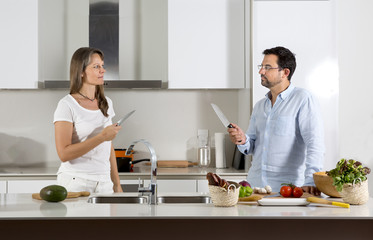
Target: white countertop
(22, 206)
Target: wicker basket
(222, 197)
(356, 193)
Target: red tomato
(297, 192)
(286, 191)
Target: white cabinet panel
(167, 186)
(19, 41)
(202, 186)
(206, 43)
(2, 186)
(28, 186)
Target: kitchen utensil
(125, 164)
(69, 195)
(125, 117)
(221, 116)
(174, 164)
(272, 195)
(324, 183)
(324, 201)
(251, 198)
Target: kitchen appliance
(125, 162)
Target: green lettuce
(348, 171)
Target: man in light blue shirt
(285, 135)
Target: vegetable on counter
(290, 190)
(266, 190)
(215, 180)
(245, 184)
(348, 171)
(53, 193)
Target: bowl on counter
(325, 184)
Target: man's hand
(311, 189)
(236, 135)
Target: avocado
(53, 193)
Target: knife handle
(231, 126)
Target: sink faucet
(151, 190)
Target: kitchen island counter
(21, 211)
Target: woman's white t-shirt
(95, 164)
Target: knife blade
(125, 117)
(273, 195)
(221, 116)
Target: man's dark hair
(286, 58)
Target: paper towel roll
(220, 159)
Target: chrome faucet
(151, 190)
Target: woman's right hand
(110, 132)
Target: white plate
(283, 202)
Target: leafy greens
(348, 171)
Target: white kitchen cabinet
(28, 186)
(2, 186)
(19, 41)
(169, 186)
(206, 44)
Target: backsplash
(168, 119)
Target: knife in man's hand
(221, 116)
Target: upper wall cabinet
(19, 42)
(206, 43)
(184, 43)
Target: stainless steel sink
(144, 199)
(119, 199)
(184, 199)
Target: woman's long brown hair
(79, 61)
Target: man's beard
(266, 83)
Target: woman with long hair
(84, 129)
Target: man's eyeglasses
(267, 67)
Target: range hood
(104, 34)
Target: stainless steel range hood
(104, 34)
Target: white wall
(355, 40)
(169, 119)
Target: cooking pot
(125, 164)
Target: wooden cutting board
(69, 195)
(173, 164)
(257, 196)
